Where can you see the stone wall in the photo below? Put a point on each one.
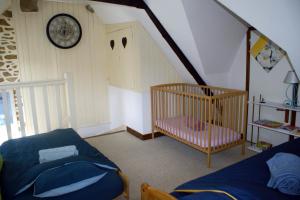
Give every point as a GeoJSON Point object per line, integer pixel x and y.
{"type": "Point", "coordinates": [9, 70]}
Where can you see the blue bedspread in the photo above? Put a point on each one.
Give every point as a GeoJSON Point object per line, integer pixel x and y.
{"type": "Point", "coordinates": [21, 156]}
{"type": "Point", "coordinates": [246, 180]}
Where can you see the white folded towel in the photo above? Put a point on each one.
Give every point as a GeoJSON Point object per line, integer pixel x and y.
{"type": "Point", "coordinates": [46, 155]}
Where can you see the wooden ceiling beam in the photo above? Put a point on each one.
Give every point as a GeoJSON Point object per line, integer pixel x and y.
{"type": "Point", "coordinates": [29, 5]}
{"type": "Point", "coordinates": [185, 61]}
{"type": "Point", "coordinates": [142, 5]}
{"type": "Point", "coordinates": [131, 3]}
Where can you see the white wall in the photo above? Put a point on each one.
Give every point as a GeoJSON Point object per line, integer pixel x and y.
{"type": "Point", "coordinates": [277, 19]}
{"type": "Point", "coordinates": [126, 108]}
{"type": "Point", "coordinates": [211, 45]}
{"type": "Point", "coordinates": [272, 88]}
{"type": "Point", "coordinates": [217, 34]}
{"type": "Point", "coordinates": [133, 70]}
{"type": "Point", "coordinates": [237, 72]}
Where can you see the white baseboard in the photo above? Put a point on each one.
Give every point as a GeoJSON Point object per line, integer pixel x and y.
{"type": "Point", "coordinates": [94, 130]}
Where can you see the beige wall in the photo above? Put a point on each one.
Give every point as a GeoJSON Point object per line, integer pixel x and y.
{"type": "Point", "coordinates": [133, 70]}
{"type": "Point", "coordinates": [92, 63]}
{"type": "Point", "coordinates": [141, 64]}
{"type": "Point", "coordinates": [40, 60]}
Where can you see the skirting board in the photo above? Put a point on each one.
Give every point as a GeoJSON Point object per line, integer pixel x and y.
{"type": "Point", "coordinates": [143, 136]}
{"type": "Point", "coordinates": [90, 131]}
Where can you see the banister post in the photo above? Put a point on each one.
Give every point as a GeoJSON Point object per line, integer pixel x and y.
{"type": "Point", "coordinates": [69, 88]}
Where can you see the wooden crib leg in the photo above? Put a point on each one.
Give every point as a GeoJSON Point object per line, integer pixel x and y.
{"type": "Point", "coordinates": [208, 160]}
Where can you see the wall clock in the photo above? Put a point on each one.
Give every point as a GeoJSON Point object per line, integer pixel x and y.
{"type": "Point", "coordinates": [64, 31]}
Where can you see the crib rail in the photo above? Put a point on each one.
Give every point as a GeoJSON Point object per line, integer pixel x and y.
{"type": "Point", "coordinates": [37, 106]}
{"type": "Point", "coordinates": [209, 119]}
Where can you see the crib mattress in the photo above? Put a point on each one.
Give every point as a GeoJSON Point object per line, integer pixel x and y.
{"type": "Point", "coordinates": [178, 126]}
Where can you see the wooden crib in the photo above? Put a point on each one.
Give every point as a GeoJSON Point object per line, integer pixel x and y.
{"type": "Point", "coordinates": [210, 119]}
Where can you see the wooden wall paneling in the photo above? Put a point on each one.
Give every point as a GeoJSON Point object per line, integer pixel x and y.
{"type": "Point", "coordinates": [155, 68]}
{"type": "Point", "coordinates": [145, 64]}
{"type": "Point", "coordinates": [40, 60]}
{"type": "Point", "coordinates": [48, 49]}
{"type": "Point", "coordinates": [100, 56]}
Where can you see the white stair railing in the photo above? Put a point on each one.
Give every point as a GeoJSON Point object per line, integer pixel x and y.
{"type": "Point", "coordinates": [29, 99]}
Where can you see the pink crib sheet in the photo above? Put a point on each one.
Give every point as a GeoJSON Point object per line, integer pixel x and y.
{"type": "Point", "coordinates": [181, 127]}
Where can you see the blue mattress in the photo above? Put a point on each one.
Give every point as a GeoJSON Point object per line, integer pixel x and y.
{"type": "Point", "coordinates": [246, 180]}
{"type": "Point", "coordinates": [22, 154]}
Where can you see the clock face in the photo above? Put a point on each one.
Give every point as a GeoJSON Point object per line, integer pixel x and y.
{"type": "Point", "coordinates": [64, 31]}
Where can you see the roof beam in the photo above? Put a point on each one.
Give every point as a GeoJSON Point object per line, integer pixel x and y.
{"type": "Point", "coordinates": [132, 3]}
{"type": "Point", "coordinates": [29, 5]}
{"type": "Point", "coordinates": [142, 5]}
{"type": "Point", "coordinates": [185, 61]}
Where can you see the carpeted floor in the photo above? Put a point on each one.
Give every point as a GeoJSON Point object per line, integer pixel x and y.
{"type": "Point", "coordinates": [163, 162]}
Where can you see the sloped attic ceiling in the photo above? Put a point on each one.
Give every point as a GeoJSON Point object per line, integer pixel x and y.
{"type": "Point", "coordinates": [278, 20]}
{"type": "Point", "coordinates": [112, 13]}
{"type": "Point", "coordinates": [210, 48]}
{"type": "Point", "coordinates": [217, 33]}
{"type": "Point", "coordinates": [207, 33]}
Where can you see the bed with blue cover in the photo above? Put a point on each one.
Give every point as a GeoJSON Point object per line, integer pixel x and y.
{"type": "Point", "coordinates": [21, 166]}
{"type": "Point", "coordinates": [246, 180]}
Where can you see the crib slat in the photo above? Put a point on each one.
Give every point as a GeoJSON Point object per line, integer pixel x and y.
{"type": "Point", "coordinates": [21, 114]}
{"type": "Point", "coordinates": [229, 121]}
{"type": "Point", "coordinates": [219, 119]}
{"type": "Point", "coordinates": [46, 102]}
{"type": "Point", "coordinates": [209, 132]}
{"type": "Point", "coordinates": [226, 120]}
{"type": "Point", "coordinates": [155, 122]}
{"type": "Point", "coordinates": [161, 109]}
{"type": "Point", "coordinates": [33, 109]}
{"type": "Point", "coordinates": [213, 124]}
{"type": "Point", "coordinates": [152, 113]}
{"type": "Point", "coordinates": [193, 113]}
{"type": "Point", "coordinates": [206, 123]}
{"type": "Point", "coordinates": [232, 119]}
{"type": "Point", "coordinates": [237, 106]}
{"type": "Point", "coordinates": [178, 115]}
{"type": "Point", "coordinates": [201, 110]}
{"type": "Point", "coordinates": [6, 112]}
{"type": "Point", "coordinates": [197, 120]}
{"type": "Point", "coordinates": [244, 120]}
{"type": "Point", "coordinates": [157, 106]}
{"type": "Point", "coordinates": [241, 115]}
{"type": "Point", "coordinates": [189, 117]}
{"type": "Point", "coordinates": [174, 105]}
